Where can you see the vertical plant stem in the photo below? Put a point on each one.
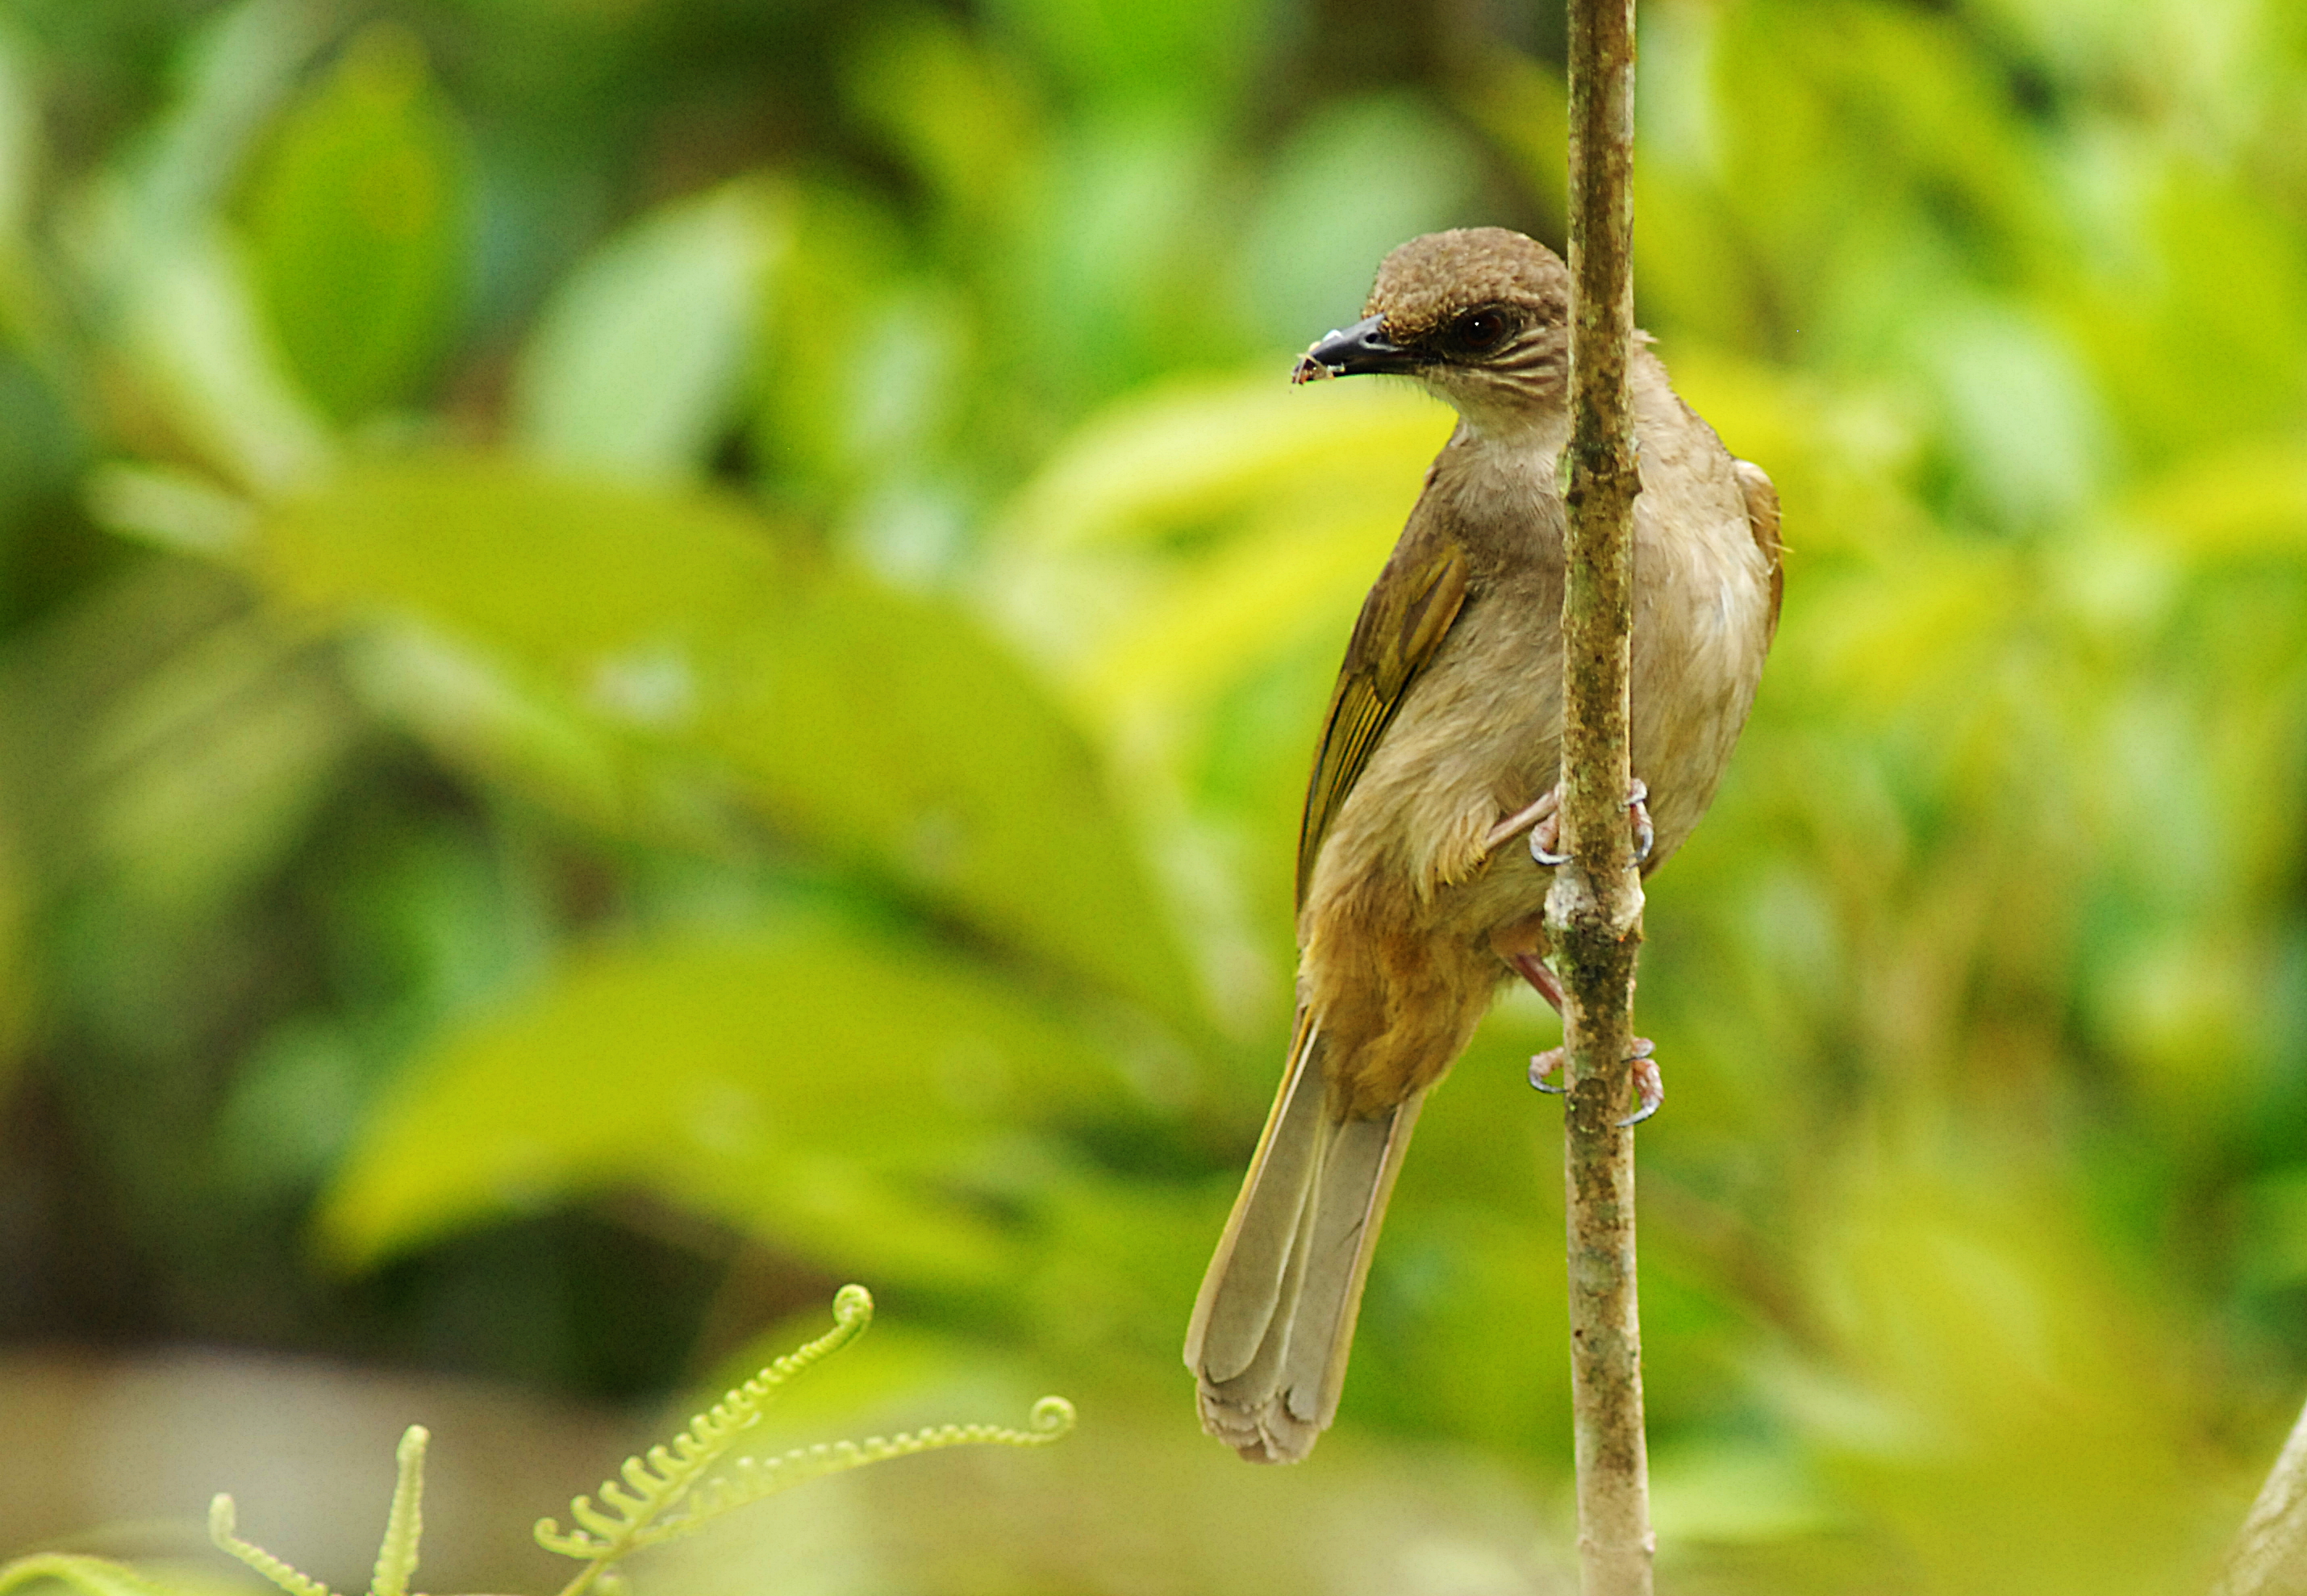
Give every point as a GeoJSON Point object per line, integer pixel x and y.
{"type": "Point", "coordinates": [1595, 909]}
{"type": "Point", "coordinates": [2269, 1557]}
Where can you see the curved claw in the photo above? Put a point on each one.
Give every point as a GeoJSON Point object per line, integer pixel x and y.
{"type": "Point", "coordinates": [1638, 809]}
{"type": "Point", "coordinates": [1649, 1086]}
{"type": "Point", "coordinates": [1543, 1068]}
{"type": "Point", "coordinates": [1546, 833]}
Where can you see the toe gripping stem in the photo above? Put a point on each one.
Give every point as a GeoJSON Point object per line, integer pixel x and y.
{"type": "Point", "coordinates": [1547, 832]}
{"type": "Point", "coordinates": [1649, 1086]}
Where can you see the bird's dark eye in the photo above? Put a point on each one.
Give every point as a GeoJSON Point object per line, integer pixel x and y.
{"type": "Point", "coordinates": [1480, 331]}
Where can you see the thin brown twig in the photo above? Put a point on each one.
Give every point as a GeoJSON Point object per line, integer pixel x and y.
{"type": "Point", "coordinates": [1596, 906]}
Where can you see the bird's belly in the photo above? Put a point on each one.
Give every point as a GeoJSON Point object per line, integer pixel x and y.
{"type": "Point", "coordinates": [1399, 929]}
{"type": "Point", "coordinates": [1395, 932]}
{"type": "Point", "coordinates": [1691, 683]}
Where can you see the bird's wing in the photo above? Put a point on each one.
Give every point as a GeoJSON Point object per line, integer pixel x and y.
{"type": "Point", "coordinates": [1402, 622]}
{"type": "Point", "coordinates": [1762, 520]}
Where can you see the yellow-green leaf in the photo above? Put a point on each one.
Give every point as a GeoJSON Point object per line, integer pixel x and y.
{"type": "Point", "coordinates": [828, 1088]}
{"type": "Point", "coordinates": [884, 728]}
{"type": "Point", "coordinates": [357, 220]}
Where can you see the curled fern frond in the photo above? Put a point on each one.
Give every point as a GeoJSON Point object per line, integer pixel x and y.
{"type": "Point", "coordinates": [750, 1480]}
{"type": "Point", "coordinates": [221, 1524]}
{"type": "Point", "coordinates": [669, 1491]}
{"type": "Point", "coordinates": [654, 1484]}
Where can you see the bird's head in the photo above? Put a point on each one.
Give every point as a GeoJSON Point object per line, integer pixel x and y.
{"type": "Point", "coordinates": [1480, 316]}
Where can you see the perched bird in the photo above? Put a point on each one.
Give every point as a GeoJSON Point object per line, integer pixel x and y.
{"type": "Point", "coordinates": [1443, 746]}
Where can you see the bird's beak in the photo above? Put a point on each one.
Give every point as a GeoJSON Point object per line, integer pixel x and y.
{"type": "Point", "coordinates": [1361, 347]}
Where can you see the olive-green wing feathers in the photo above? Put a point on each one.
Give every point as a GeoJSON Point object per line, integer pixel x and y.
{"type": "Point", "coordinates": [1402, 622]}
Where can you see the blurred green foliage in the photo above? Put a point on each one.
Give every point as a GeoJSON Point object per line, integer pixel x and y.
{"type": "Point", "coordinates": [637, 634]}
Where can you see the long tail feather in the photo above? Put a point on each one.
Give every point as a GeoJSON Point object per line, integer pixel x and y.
{"type": "Point", "coordinates": [1276, 1318]}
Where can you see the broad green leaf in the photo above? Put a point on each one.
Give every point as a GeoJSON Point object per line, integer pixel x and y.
{"type": "Point", "coordinates": [883, 727]}
{"type": "Point", "coordinates": [480, 715]}
{"type": "Point", "coordinates": [829, 1088]}
{"type": "Point", "coordinates": [640, 357]}
{"type": "Point", "coordinates": [1868, 158]}
{"type": "Point", "coordinates": [175, 510]}
{"type": "Point", "coordinates": [2246, 501]}
{"type": "Point", "coordinates": [1232, 611]}
{"type": "Point", "coordinates": [1162, 460]}
{"type": "Point", "coordinates": [553, 568]}
{"type": "Point", "coordinates": [171, 290]}
{"type": "Point", "coordinates": [1183, 537]}
{"type": "Point", "coordinates": [191, 329]}
{"type": "Point", "coordinates": [357, 219]}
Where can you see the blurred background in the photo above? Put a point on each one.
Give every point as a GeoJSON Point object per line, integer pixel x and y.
{"type": "Point", "coordinates": [655, 654]}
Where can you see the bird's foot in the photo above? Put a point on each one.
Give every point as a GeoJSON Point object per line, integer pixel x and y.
{"type": "Point", "coordinates": [1638, 812]}
{"type": "Point", "coordinates": [1543, 1069]}
{"type": "Point", "coordinates": [1649, 1086]}
{"type": "Point", "coordinates": [1543, 821]}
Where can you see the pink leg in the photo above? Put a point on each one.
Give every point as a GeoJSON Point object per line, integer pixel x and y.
{"type": "Point", "coordinates": [1532, 969]}
{"type": "Point", "coordinates": [1540, 813]}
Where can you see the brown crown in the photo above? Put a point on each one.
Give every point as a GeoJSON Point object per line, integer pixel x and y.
{"type": "Point", "coordinates": [1425, 282]}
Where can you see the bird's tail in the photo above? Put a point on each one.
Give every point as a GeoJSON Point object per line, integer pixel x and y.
{"type": "Point", "coordinates": [1276, 1318]}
